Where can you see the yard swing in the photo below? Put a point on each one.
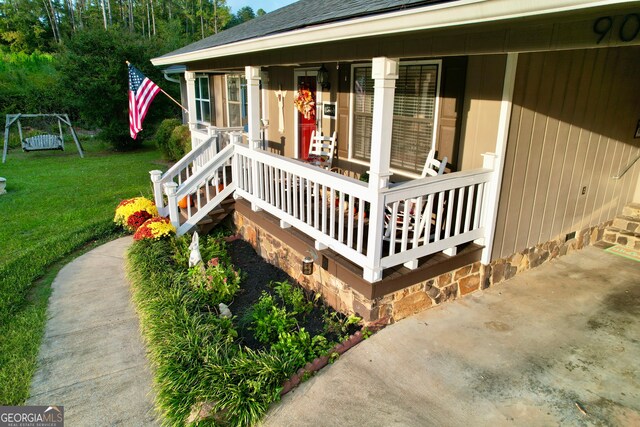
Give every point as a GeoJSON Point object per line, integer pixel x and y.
{"type": "Point", "coordinates": [47, 138]}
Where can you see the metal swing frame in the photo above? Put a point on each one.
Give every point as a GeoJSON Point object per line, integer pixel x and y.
{"type": "Point", "coordinates": [42, 141]}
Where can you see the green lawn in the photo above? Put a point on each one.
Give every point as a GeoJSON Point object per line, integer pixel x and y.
{"type": "Point", "coordinates": [57, 204]}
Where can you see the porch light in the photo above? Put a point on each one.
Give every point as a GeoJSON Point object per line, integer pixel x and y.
{"type": "Point", "coordinates": [323, 78]}
{"type": "Point", "coordinates": [307, 266]}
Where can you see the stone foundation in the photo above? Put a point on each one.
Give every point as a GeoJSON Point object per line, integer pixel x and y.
{"type": "Point", "coordinates": [412, 299]}
{"type": "Point", "coordinates": [505, 268]}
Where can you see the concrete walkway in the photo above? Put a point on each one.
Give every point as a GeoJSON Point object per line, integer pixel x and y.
{"type": "Point", "coordinates": [558, 345]}
{"type": "Point", "coordinates": [92, 359]}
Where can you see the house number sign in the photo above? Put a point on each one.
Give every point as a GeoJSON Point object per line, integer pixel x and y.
{"type": "Point", "coordinates": [629, 28]}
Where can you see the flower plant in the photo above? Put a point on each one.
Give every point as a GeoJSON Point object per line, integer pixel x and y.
{"type": "Point", "coordinates": [217, 282]}
{"type": "Point", "coordinates": [132, 213]}
{"type": "Point", "coordinates": [155, 228]}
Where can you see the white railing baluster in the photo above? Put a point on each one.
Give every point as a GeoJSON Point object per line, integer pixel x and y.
{"type": "Point", "coordinates": [448, 223]}
{"type": "Point", "coordinates": [341, 214]}
{"type": "Point", "coordinates": [350, 226]}
{"type": "Point", "coordinates": [332, 215]}
{"type": "Point", "coordinates": [459, 209]}
{"type": "Point", "coordinates": [360, 238]}
{"type": "Point", "coordinates": [478, 208]}
{"type": "Point", "coordinates": [469, 208]}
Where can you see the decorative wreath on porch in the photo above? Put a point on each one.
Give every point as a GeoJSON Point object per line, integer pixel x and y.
{"type": "Point", "coordinates": [305, 103]}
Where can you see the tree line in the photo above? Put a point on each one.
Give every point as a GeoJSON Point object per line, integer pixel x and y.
{"type": "Point", "coordinates": [44, 25]}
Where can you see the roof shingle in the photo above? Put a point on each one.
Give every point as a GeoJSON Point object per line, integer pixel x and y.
{"type": "Point", "coordinates": [304, 13]}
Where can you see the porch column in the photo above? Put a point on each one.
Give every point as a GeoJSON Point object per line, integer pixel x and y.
{"type": "Point", "coordinates": [497, 160]}
{"type": "Point", "coordinates": [252, 75]}
{"type": "Point", "coordinates": [190, 79]}
{"type": "Point", "coordinates": [385, 74]}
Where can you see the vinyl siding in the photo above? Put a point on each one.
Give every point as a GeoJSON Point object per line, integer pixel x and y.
{"type": "Point", "coordinates": [573, 119]}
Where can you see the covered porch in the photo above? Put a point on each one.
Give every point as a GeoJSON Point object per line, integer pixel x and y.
{"type": "Point", "coordinates": [394, 218]}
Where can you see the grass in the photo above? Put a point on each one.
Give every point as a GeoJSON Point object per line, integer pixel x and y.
{"type": "Point", "coordinates": [56, 204]}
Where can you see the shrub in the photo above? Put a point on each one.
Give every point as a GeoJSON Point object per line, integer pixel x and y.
{"type": "Point", "coordinates": [163, 134]}
{"type": "Point", "coordinates": [216, 283]}
{"type": "Point", "coordinates": [179, 142]}
{"type": "Point", "coordinates": [269, 320]}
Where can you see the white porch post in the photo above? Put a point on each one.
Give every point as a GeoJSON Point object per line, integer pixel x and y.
{"type": "Point", "coordinates": [156, 177]}
{"type": "Point", "coordinates": [252, 75]}
{"type": "Point", "coordinates": [497, 159]}
{"type": "Point", "coordinates": [385, 74]}
{"type": "Point", "coordinates": [170, 189]}
{"type": "Point", "coordinates": [190, 79]}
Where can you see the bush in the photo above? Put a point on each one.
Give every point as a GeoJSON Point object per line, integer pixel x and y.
{"type": "Point", "coordinates": [163, 134]}
{"type": "Point", "coordinates": [179, 142]}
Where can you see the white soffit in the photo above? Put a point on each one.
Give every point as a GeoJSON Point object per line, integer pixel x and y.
{"type": "Point", "coordinates": [443, 15]}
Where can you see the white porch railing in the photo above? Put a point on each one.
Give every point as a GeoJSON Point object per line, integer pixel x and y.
{"type": "Point", "coordinates": [433, 214]}
{"type": "Point", "coordinates": [328, 207]}
{"type": "Point", "coordinates": [414, 219]}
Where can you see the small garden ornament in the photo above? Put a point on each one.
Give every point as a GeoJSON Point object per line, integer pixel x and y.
{"type": "Point", "coordinates": [224, 311]}
{"type": "Point", "coordinates": [195, 258]}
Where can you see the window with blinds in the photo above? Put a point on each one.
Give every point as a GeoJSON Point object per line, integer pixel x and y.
{"type": "Point", "coordinates": [203, 103]}
{"type": "Point", "coordinates": [413, 114]}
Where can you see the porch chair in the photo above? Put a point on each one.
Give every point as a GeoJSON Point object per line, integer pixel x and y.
{"type": "Point", "coordinates": [432, 167]}
{"type": "Point", "coordinates": [322, 149]}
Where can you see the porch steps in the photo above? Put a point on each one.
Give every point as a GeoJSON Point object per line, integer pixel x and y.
{"type": "Point", "coordinates": [625, 230]}
{"type": "Point", "coordinates": [213, 218]}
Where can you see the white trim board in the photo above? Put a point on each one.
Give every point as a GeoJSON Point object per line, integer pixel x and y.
{"type": "Point", "coordinates": [458, 13]}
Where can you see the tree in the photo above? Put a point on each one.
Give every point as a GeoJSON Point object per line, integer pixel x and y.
{"type": "Point", "coordinates": [95, 77]}
{"type": "Point", "coordinates": [244, 14]}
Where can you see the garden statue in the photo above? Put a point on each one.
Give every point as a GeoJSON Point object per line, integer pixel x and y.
{"type": "Point", "coordinates": [195, 258]}
{"type": "Point", "coordinates": [224, 310]}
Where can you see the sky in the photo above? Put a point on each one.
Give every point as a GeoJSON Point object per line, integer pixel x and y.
{"type": "Point", "coordinates": [267, 5]}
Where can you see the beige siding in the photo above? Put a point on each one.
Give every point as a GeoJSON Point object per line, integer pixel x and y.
{"type": "Point", "coordinates": [573, 119]}
{"type": "Point", "coordinates": [483, 95]}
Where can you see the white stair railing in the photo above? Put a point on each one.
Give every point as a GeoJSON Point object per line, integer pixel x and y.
{"type": "Point", "coordinates": [202, 192]}
{"type": "Point", "coordinates": [182, 170]}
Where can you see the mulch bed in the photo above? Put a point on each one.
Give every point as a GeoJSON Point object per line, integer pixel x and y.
{"type": "Point", "coordinates": [258, 274]}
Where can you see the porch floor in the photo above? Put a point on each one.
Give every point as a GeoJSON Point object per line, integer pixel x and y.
{"type": "Point", "coordinates": [394, 279]}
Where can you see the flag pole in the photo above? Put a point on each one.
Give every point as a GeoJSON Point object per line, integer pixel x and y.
{"type": "Point", "coordinates": [168, 96]}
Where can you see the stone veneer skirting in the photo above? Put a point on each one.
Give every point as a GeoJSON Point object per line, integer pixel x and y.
{"type": "Point", "coordinates": [414, 298]}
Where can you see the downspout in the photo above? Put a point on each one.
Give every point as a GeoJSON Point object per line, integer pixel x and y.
{"type": "Point", "coordinates": [171, 79]}
{"type": "Point", "coordinates": [499, 156]}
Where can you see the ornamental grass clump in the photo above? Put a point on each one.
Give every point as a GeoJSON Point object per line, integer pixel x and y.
{"type": "Point", "coordinates": [155, 228]}
{"type": "Point", "coordinates": [132, 213]}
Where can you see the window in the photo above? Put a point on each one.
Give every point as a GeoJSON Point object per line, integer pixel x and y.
{"type": "Point", "coordinates": [237, 100]}
{"type": "Point", "coordinates": [414, 114]}
{"type": "Point", "coordinates": [203, 104]}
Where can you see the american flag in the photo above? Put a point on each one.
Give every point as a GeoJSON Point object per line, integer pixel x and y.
{"type": "Point", "coordinates": [141, 93]}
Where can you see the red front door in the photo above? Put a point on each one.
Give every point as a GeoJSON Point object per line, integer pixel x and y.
{"type": "Point", "coordinates": [306, 122]}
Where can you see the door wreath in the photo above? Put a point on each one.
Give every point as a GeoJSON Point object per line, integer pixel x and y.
{"type": "Point", "coordinates": [305, 103]}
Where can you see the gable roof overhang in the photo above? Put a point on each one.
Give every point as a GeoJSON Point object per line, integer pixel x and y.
{"type": "Point", "coordinates": [421, 18]}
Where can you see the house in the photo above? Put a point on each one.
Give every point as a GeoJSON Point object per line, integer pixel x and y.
{"type": "Point", "coordinates": [534, 104]}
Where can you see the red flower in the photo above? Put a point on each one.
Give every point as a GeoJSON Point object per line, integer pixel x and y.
{"type": "Point", "coordinates": [136, 219]}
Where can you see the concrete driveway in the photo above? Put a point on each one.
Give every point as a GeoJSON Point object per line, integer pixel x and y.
{"type": "Point", "coordinates": [557, 345]}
